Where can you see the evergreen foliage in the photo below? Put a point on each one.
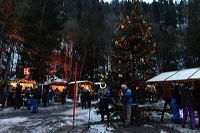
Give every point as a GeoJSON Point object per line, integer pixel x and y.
{"type": "Point", "coordinates": [133, 45]}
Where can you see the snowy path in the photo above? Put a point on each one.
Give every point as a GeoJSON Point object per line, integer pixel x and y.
{"type": "Point", "coordinates": [50, 119]}
{"type": "Point", "coordinates": [59, 119]}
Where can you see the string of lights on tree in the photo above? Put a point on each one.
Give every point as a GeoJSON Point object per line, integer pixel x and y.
{"type": "Point", "coordinates": [133, 46]}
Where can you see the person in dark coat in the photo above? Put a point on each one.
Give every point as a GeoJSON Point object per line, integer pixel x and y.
{"type": "Point", "coordinates": [45, 96]}
{"type": "Point", "coordinates": [188, 106]}
{"type": "Point", "coordinates": [5, 95]}
{"type": "Point", "coordinates": [35, 97]}
{"type": "Point", "coordinates": [52, 96]}
{"type": "Point", "coordinates": [63, 96]}
{"type": "Point", "coordinates": [83, 98]}
{"type": "Point", "coordinates": [104, 95]}
{"type": "Point", "coordinates": [88, 98]}
{"type": "Point", "coordinates": [29, 98]}
{"type": "Point", "coordinates": [196, 94]}
{"type": "Point", "coordinates": [18, 97]}
{"type": "Point", "coordinates": [166, 95]}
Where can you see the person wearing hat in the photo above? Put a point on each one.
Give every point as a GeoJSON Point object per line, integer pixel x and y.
{"type": "Point", "coordinates": [103, 95]}
{"type": "Point", "coordinates": [127, 101]}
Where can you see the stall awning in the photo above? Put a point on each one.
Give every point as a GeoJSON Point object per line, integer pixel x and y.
{"type": "Point", "coordinates": [56, 81]}
{"type": "Point", "coordinates": [162, 76]}
{"type": "Point", "coordinates": [180, 75]}
{"type": "Point", "coordinates": [196, 75]}
{"type": "Point", "coordinates": [183, 74]}
{"type": "Point", "coordinates": [81, 81]}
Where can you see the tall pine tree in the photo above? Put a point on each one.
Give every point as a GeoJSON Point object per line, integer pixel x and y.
{"type": "Point", "coordinates": [133, 46]}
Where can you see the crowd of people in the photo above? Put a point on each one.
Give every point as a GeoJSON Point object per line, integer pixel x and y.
{"type": "Point", "coordinates": [124, 97]}
{"type": "Point", "coordinates": [186, 97]}
{"type": "Point", "coordinates": [29, 98]}
{"type": "Point", "coordinates": [85, 98]}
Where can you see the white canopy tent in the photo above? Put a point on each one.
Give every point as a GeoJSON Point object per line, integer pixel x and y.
{"type": "Point", "coordinates": [78, 82]}
{"type": "Point", "coordinates": [162, 76]}
{"type": "Point", "coordinates": [195, 75]}
{"type": "Point", "coordinates": [56, 81]}
{"type": "Point", "coordinates": [183, 74]}
{"type": "Point", "coordinates": [180, 75]}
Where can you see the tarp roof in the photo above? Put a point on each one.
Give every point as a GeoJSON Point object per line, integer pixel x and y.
{"type": "Point", "coordinates": [55, 81]}
{"type": "Point", "coordinates": [162, 76]}
{"type": "Point", "coordinates": [195, 75]}
{"type": "Point", "coordinates": [192, 73]}
{"type": "Point", "coordinates": [81, 81]}
{"type": "Point", "coordinates": [183, 74]}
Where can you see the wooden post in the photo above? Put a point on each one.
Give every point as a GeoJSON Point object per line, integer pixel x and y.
{"type": "Point", "coordinates": [74, 109]}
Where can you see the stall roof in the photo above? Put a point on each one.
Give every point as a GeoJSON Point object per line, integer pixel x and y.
{"type": "Point", "coordinates": [81, 81]}
{"type": "Point", "coordinates": [162, 76]}
{"type": "Point", "coordinates": [196, 75]}
{"type": "Point", "coordinates": [192, 73]}
{"type": "Point", "coordinates": [183, 74]}
{"type": "Point", "coordinates": [55, 81]}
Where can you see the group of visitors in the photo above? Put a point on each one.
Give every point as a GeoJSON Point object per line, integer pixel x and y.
{"type": "Point", "coordinates": [184, 97]}
{"type": "Point", "coordinates": [85, 98]}
{"type": "Point", "coordinates": [125, 96]}
{"type": "Point", "coordinates": [29, 97]}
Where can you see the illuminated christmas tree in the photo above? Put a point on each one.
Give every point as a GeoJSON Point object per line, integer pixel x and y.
{"type": "Point", "coordinates": [133, 47]}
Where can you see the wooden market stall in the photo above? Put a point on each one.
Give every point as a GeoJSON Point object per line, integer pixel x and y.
{"type": "Point", "coordinates": [57, 84]}
{"type": "Point", "coordinates": [190, 76]}
{"type": "Point", "coordinates": [85, 84]}
{"type": "Point", "coordinates": [23, 82]}
{"type": "Point", "coordinates": [179, 75]}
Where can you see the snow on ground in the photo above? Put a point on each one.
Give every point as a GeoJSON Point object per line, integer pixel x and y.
{"type": "Point", "coordinates": [182, 130]}
{"type": "Point", "coordinates": [162, 131]}
{"type": "Point", "coordinates": [82, 116]}
{"type": "Point", "coordinates": [101, 128]}
{"type": "Point", "coordinates": [5, 124]}
{"type": "Point", "coordinates": [51, 118]}
{"type": "Point", "coordinates": [13, 120]}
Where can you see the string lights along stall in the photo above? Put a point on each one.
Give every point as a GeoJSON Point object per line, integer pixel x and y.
{"type": "Point", "coordinates": [57, 84]}
{"type": "Point", "coordinates": [83, 84]}
{"type": "Point", "coordinates": [23, 82]}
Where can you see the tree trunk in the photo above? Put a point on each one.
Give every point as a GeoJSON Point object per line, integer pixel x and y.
{"type": "Point", "coordinates": [7, 69]}
{"type": "Point", "coordinates": [82, 65]}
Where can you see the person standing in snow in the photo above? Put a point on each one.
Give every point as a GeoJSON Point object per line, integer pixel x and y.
{"type": "Point", "coordinates": [175, 103]}
{"type": "Point", "coordinates": [5, 95]}
{"type": "Point", "coordinates": [188, 106]}
{"type": "Point", "coordinates": [83, 98]}
{"type": "Point", "coordinates": [196, 94]}
{"type": "Point", "coordinates": [28, 96]}
{"type": "Point", "coordinates": [103, 95]}
{"type": "Point", "coordinates": [52, 96]}
{"type": "Point", "coordinates": [35, 97]}
{"type": "Point", "coordinates": [127, 101]}
{"type": "Point", "coordinates": [18, 97]}
{"type": "Point", "coordinates": [88, 98]}
{"type": "Point", "coordinates": [166, 95]}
